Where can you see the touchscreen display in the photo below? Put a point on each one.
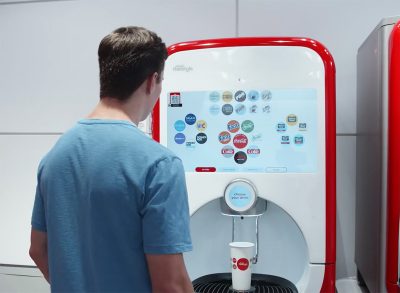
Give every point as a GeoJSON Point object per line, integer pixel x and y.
{"type": "Point", "coordinates": [256, 130]}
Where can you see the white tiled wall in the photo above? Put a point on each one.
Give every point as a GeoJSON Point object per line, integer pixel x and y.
{"type": "Point", "coordinates": [340, 25]}
{"type": "Point", "coordinates": [49, 71]}
{"type": "Point", "coordinates": [19, 159]}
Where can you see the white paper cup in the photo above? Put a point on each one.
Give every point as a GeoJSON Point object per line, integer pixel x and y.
{"type": "Point", "coordinates": [241, 257]}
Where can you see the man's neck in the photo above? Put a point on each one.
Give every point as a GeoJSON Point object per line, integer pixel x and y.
{"type": "Point", "coordinates": [114, 109]}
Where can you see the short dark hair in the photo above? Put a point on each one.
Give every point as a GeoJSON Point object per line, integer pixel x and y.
{"type": "Point", "coordinates": [128, 56]}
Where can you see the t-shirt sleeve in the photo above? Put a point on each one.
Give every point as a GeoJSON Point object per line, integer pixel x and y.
{"type": "Point", "coordinates": [165, 212]}
{"type": "Point", "coordinates": [38, 220]}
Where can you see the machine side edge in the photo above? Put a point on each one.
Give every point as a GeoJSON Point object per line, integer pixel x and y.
{"type": "Point", "coordinates": [393, 184]}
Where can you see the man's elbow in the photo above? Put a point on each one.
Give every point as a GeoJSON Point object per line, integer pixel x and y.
{"type": "Point", "coordinates": [35, 254]}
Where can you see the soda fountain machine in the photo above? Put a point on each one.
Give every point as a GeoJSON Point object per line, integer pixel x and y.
{"type": "Point", "coordinates": [378, 159]}
{"type": "Point", "coordinates": [253, 120]}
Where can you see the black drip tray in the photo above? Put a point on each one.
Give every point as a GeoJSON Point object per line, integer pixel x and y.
{"type": "Point", "coordinates": [222, 283]}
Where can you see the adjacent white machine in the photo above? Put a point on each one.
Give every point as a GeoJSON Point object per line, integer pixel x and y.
{"type": "Point", "coordinates": [378, 158]}
{"type": "Point", "coordinates": [253, 120]}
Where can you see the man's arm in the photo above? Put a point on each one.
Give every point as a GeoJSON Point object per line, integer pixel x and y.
{"type": "Point", "coordinates": [38, 251]}
{"type": "Point", "coordinates": [168, 273]}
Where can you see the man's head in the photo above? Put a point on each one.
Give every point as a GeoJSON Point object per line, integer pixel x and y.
{"type": "Point", "coordinates": [127, 57]}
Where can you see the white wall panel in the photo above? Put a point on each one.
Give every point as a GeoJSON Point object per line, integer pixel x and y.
{"type": "Point", "coordinates": [345, 221]}
{"type": "Point", "coordinates": [341, 25]}
{"type": "Point", "coordinates": [48, 51]}
{"type": "Point", "coordinates": [19, 159]}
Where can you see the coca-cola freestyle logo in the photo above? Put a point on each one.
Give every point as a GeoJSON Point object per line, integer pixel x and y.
{"type": "Point", "coordinates": [242, 264]}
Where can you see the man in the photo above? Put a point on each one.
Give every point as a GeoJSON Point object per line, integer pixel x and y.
{"type": "Point", "coordinates": [111, 210]}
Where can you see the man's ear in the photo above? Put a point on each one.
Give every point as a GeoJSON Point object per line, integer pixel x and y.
{"type": "Point", "coordinates": [151, 82]}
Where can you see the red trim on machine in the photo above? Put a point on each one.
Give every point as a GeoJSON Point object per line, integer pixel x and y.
{"type": "Point", "coordinates": [393, 184]}
{"type": "Point", "coordinates": [330, 126]}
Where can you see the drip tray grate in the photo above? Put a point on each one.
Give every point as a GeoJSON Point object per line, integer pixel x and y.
{"type": "Point", "coordinates": [222, 283]}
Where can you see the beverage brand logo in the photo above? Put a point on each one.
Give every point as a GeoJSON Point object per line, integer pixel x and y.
{"type": "Point", "coordinates": [190, 119]}
{"type": "Point", "coordinates": [227, 151]}
{"type": "Point", "coordinates": [224, 137]}
{"type": "Point", "coordinates": [240, 109]}
{"type": "Point", "coordinates": [180, 138]}
{"type": "Point", "coordinates": [240, 141]}
{"type": "Point", "coordinates": [227, 96]}
{"type": "Point", "coordinates": [214, 96]}
{"type": "Point", "coordinates": [253, 151]}
{"type": "Point", "coordinates": [227, 109]}
{"type": "Point", "coordinates": [240, 96]}
{"type": "Point", "coordinates": [253, 109]}
{"type": "Point", "coordinates": [240, 157]}
{"type": "Point", "coordinates": [201, 125]}
{"type": "Point", "coordinates": [214, 110]}
{"type": "Point", "coordinates": [247, 126]}
{"type": "Point", "coordinates": [243, 264]}
{"type": "Point", "coordinates": [254, 96]}
{"type": "Point", "coordinates": [201, 138]}
{"type": "Point", "coordinates": [266, 95]}
{"type": "Point", "coordinates": [233, 126]}
{"type": "Point", "coordinates": [179, 125]}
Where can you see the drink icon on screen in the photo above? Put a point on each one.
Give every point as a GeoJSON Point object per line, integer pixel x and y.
{"type": "Point", "coordinates": [175, 99]}
{"type": "Point", "coordinates": [201, 125]}
{"type": "Point", "coordinates": [256, 137]}
{"type": "Point", "coordinates": [266, 95]}
{"type": "Point", "coordinates": [266, 109]}
{"type": "Point", "coordinates": [299, 140]}
{"type": "Point", "coordinates": [214, 109]}
{"type": "Point", "coordinates": [281, 127]}
{"type": "Point", "coordinates": [214, 96]}
{"type": "Point", "coordinates": [240, 96]}
{"type": "Point", "coordinates": [240, 157]}
{"type": "Point", "coordinates": [254, 96]}
{"type": "Point", "coordinates": [224, 137]}
{"type": "Point", "coordinates": [247, 126]}
{"type": "Point", "coordinates": [240, 109]}
{"type": "Point", "coordinates": [285, 139]}
{"type": "Point", "coordinates": [179, 125]}
{"type": "Point", "coordinates": [227, 151]}
{"type": "Point", "coordinates": [291, 119]}
{"type": "Point", "coordinates": [201, 138]}
{"type": "Point", "coordinates": [180, 138]}
{"type": "Point", "coordinates": [233, 126]}
{"type": "Point", "coordinates": [253, 109]}
{"type": "Point", "coordinates": [227, 109]}
{"type": "Point", "coordinates": [227, 96]}
{"type": "Point", "coordinates": [302, 126]}
{"type": "Point", "coordinates": [190, 119]}
{"type": "Point", "coordinates": [253, 151]}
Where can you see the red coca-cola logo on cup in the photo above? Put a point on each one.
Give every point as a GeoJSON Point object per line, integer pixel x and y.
{"type": "Point", "coordinates": [240, 141]}
{"type": "Point", "coordinates": [243, 264]}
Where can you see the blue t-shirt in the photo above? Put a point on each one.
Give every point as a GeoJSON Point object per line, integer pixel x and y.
{"type": "Point", "coordinates": [106, 195]}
